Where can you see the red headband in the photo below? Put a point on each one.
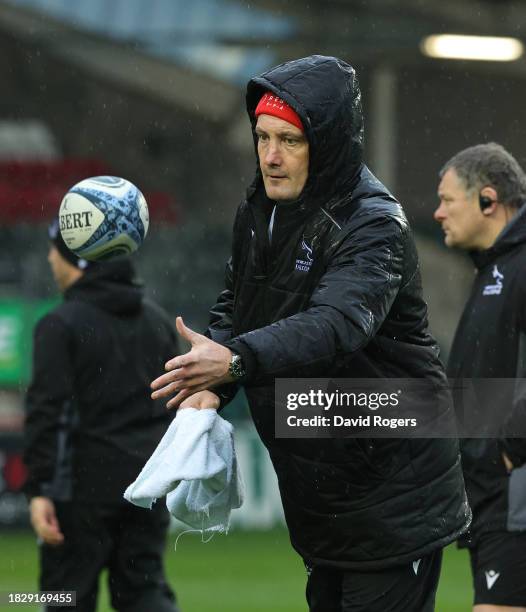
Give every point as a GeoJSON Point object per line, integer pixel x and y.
{"type": "Point", "coordinates": [270, 104]}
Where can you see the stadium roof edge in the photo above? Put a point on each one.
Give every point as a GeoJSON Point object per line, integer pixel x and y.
{"type": "Point", "coordinates": [122, 64]}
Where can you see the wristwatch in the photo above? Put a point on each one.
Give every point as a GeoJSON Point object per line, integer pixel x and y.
{"type": "Point", "coordinates": [236, 369]}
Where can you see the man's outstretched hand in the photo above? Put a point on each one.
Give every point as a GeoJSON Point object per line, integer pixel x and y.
{"type": "Point", "coordinates": [205, 366]}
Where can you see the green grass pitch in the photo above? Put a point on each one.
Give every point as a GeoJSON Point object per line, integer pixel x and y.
{"type": "Point", "coordinates": [240, 572]}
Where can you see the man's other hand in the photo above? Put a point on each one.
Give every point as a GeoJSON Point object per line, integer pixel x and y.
{"type": "Point", "coordinates": [507, 462]}
{"type": "Point", "coordinates": [204, 366]}
{"type": "Point", "coordinates": [44, 520]}
{"type": "Point", "coordinates": [203, 399]}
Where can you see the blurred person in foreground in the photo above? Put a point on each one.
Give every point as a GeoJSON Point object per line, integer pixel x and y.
{"type": "Point", "coordinates": [90, 427]}
{"type": "Point", "coordinates": [482, 192]}
{"type": "Point", "coordinates": [324, 282]}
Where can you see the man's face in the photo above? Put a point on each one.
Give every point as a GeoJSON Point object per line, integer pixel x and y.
{"type": "Point", "coordinates": [283, 153]}
{"type": "Point", "coordinates": [60, 268]}
{"type": "Point", "coordinates": [459, 212]}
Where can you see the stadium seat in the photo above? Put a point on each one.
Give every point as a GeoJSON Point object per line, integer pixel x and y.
{"type": "Point", "coordinates": [31, 191]}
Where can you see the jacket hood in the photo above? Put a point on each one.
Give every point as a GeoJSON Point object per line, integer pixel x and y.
{"type": "Point", "coordinates": [325, 93]}
{"type": "Point", "coordinates": [110, 286]}
{"type": "Point", "coordinates": [511, 236]}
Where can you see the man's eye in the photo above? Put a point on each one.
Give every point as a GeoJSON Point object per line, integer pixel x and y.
{"type": "Point", "coordinates": [291, 141]}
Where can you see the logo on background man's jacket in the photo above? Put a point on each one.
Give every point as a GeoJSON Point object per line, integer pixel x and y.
{"type": "Point", "coordinates": [491, 578]}
{"type": "Point", "coordinates": [496, 288]}
{"type": "Point", "coordinates": [304, 263]}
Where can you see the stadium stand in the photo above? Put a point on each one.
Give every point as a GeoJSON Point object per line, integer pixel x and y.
{"type": "Point", "coordinates": [28, 139]}
{"type": "Point", "coordinates": [30, 191]}
{"type": "Point", "coordinates": [34, 175]}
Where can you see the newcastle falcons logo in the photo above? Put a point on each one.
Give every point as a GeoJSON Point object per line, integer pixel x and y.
{"type": "Point", "coordinates": [303, 264]}
{"type": "Point", "coordinates": [496, 288]}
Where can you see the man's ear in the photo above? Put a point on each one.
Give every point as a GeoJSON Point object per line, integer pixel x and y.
{"type": "Point", "coordinates": [488, 200]}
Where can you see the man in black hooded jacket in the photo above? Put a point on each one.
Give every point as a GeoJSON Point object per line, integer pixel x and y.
{"type": "Point", "coordinates": [482, 193]}
{"type": "Point", "coordinates": [90, 428]}
{"type": "Point", "coordinates": [324, 282]}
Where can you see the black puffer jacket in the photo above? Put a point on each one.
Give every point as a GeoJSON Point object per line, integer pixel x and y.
{"type": "Point", "coordinates": [91, 424]}
{"type": "Point", "coordinates": [338, 294]}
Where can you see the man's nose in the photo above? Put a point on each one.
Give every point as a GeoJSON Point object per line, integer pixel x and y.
{"type": "Point", "coordinates": [273, 154]}
{"type": "Point", "coordinates": [439, 214]}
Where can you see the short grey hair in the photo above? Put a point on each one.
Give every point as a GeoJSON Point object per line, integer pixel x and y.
{"type": "Point", "coordinates": [490, 165]}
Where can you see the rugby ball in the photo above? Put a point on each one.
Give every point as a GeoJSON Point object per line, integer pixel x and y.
{"type": "Point", "coordinates": [103, 217]}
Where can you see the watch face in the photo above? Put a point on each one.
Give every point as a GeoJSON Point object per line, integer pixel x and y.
{"type": "Point", "coordinates": [236, 368]}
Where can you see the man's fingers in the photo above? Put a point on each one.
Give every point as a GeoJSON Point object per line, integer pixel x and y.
{"type": "Point", "coordinates": [198, 385]}
{"type": "Point", "coordinates": [171, 385]}
{"type": "Point", "coordinates": [53, 523]}
{"type": "Point", "coordinates": [181, 361]}
{"type": "Point", "coordinates": [167, 390]}
{"type": "Point", "coordinates": [168, 378]}
{"type": "Point", "coordinates": [180, 397]}
{"type": "Point", "coordinates": [201, 400]}
{"type": "Point", "coordinates": [507, 462]}
{"type": "Point", "coordinates": [44, 520]}
{"type": "Point", "coordinates": [49, 531]}
{"type": "Point", "coordinates": [52, 538]}
{"type": "Point", "coordinates": [185, 332]}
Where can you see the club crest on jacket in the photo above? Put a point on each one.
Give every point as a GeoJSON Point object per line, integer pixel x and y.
{"type": "Point", "coordinates": [304, 262]}
{"type": "Point", "coordinates": [496, 288]}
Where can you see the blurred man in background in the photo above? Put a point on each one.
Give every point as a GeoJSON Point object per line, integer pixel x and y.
{"type": "Point", "coordinates": [90, 427]}
{"type": "Point", "coordinates": [482, 191]}
{"type": "Point", "coordinates": [324, 282]}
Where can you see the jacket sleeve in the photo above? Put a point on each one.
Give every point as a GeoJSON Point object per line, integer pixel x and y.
{"type": "Point", "coordinates": [49, 396]}
{"type": "Point", "coordinates": [220, 329]}
{"type": "Point", "coordinates": [220, 324]}
{"type": "Point", "coordinates": [515, 448]}
{"type": "Point", "coordinates": [347, 308]}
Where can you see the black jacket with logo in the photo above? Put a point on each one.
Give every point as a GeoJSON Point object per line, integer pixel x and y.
{"type": "Point", "coordinates": [490, 342]}
{"type": "Point", "coordinates": [337, 293]}
{"type": "Point", "coordinates": [91, 424]}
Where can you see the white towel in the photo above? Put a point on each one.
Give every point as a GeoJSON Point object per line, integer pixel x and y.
{"type": "Point", "coordinates": [195, 466]}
